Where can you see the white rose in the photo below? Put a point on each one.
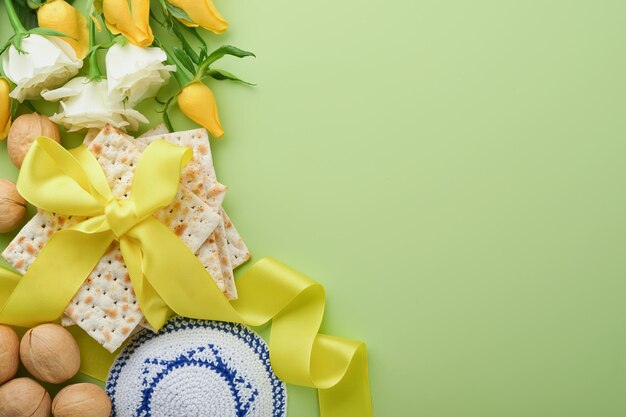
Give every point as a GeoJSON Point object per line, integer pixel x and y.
{"type": "Point", "coordinates": [87, 104]}
{"type": "Point", "coordinates": [46, 63]}
{"type": "Point", "coordinates": [136, 73]}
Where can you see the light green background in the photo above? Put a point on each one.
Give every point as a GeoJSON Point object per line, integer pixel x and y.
{"type": "Point", "coordinates": [453, 173]}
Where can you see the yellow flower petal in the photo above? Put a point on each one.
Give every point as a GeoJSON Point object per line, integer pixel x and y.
{"type": "Point", "coordinates": [135, 28]}
{"type": "Point", "coordinates": [62, 17]}
{"type": "Point", "coordinates": [197, 102]}
{"type": "Point", "coordinates": [5, 108]}
{"type": "Point", "coordinates": [202, 13]}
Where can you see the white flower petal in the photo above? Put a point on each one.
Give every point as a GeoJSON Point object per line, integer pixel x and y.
{"type": "Point", "coordinates": [74, 87]}
{"type": "Point", "coordinates": [47, 63]}
{"type": "Point", "coordinates": [92, 106]}
{"type": "Point", "coordinates": [136, 73]}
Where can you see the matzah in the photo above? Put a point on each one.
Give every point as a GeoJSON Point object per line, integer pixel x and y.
{"type": "Point", "coordinates": [195, 177]}
{"type": "Point", "coordinates": [239, 253]}
{"type": "Point", "coordinates": [159, 129]}
{"type": "Point", "coordinates": [214, 254]}
{"type": "Point", "coordinates": [106, 306]}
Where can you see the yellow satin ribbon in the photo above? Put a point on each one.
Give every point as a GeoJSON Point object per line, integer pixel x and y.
{"type": "Point", "coordinates": [167, 277]}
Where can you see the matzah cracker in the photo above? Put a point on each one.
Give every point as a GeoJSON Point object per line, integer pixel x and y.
{"type": "Point", "coordinates": [209, 255]}
{"type": "Point", "coordinates": [209, 248]}
{"type": "Point", "coordinates": [239, 253]}
{"type": "Point", "coordinates": [22, 251]}
{"type": "Point", "coordinates": [106, 306]}
{"type": "Point", "coordinates": [230, 289]}
{"type": "Point", "coordinates": [195, 176]}
{"type": "Point", "coordinates": [214, 254]}
{"type": "Point", "coordinates": [228, 241]}
{"type": "Point", "coordinates": [159, 129]}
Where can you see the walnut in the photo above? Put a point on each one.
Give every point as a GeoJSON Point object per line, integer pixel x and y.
{"type": "Point", "coordinates": [81, 400]}
{"type": "Point", "coordinates": [24, 130]}
{"type": "Point", "coordinates": [12, 206]}
{"type": "Point", "coordinates": [50, 353]}
{"type": "Point", "coordinates": [24, 397]}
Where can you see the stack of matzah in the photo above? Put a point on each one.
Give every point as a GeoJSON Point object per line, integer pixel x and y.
{"type": "Point", "coordinates": [106, 306]}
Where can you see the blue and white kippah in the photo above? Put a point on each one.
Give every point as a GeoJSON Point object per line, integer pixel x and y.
{"type": "Point", "coordinates": [196, 368]}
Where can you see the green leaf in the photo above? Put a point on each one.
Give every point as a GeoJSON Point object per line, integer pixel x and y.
{"type": "Point", "coordinates": [186, 46]}
{"type": "Point", "coordinates": [203, 53]}
{"type": "Point", "coordinates": [191, 53]}
{"type": "Point", "coordinates": [177, 12]}
{"type": "Point", "coordinates": [222, 51]}
{"type": "Point", "coordinates": [49, 32]}
{"type": "Point", "coordinates": [184, 59]}
{"type": "Point", "coordinates": [222, 75]}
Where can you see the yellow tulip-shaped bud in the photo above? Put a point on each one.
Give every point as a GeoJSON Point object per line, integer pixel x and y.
{"type": "Point", "coordinates": [134, 26]}
{"type": "Point", "coordinates": [5, 108]}
{"type": "Point", "coordinates": [197, 102]}
{"type": "Point", "coordinates": [202, 13]}
{"type": "Point", "coordinates": [62, 17]}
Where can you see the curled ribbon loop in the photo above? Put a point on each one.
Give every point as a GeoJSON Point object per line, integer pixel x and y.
{"type": "Point", "coordinates": [166, 276]}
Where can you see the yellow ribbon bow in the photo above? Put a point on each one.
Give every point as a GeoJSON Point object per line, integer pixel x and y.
{"type": "Point", "coordinates": [73, 184]}
{"type": "Point", "coordinates": [166, 276]}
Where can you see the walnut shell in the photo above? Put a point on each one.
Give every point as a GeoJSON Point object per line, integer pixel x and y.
{"type": "Point", "coordinates": [50, 353]}
{"type": "Point", "coordinates": [9, 353]}
{"type": "Point", "coordinates": [24, 397]}
{"type": "Point", "coordinates": [12, 206]}
{"type": "Point", "coordinates": [81, 400]}
{"type": "Point", "coordinates": [23, 132]}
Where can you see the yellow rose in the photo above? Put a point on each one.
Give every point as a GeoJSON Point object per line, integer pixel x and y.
{"type": "Point", "coordinates": [62, 17]}
{"type": "Point", "coordinates": [202, 13]}
{"type": "Point", "coordinates": [135, 28]}
{"type": "Point", "coordinates": [5, 108]}
{"type": "Point", "coordinates": [198, 103]}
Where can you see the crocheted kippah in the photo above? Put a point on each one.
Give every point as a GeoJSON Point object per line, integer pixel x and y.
{"type": "Point", "coordinates": [196, 368]}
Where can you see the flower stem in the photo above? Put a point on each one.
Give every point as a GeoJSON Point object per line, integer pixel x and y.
{"type": "Point", "coordinates": [17, 25]}
{"type": "Point", "coordinates": [94, 71]}
{"type": "Point", "coordinates": [203, 67]}
{"type": "Point", "coordinates": [180, 77]}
